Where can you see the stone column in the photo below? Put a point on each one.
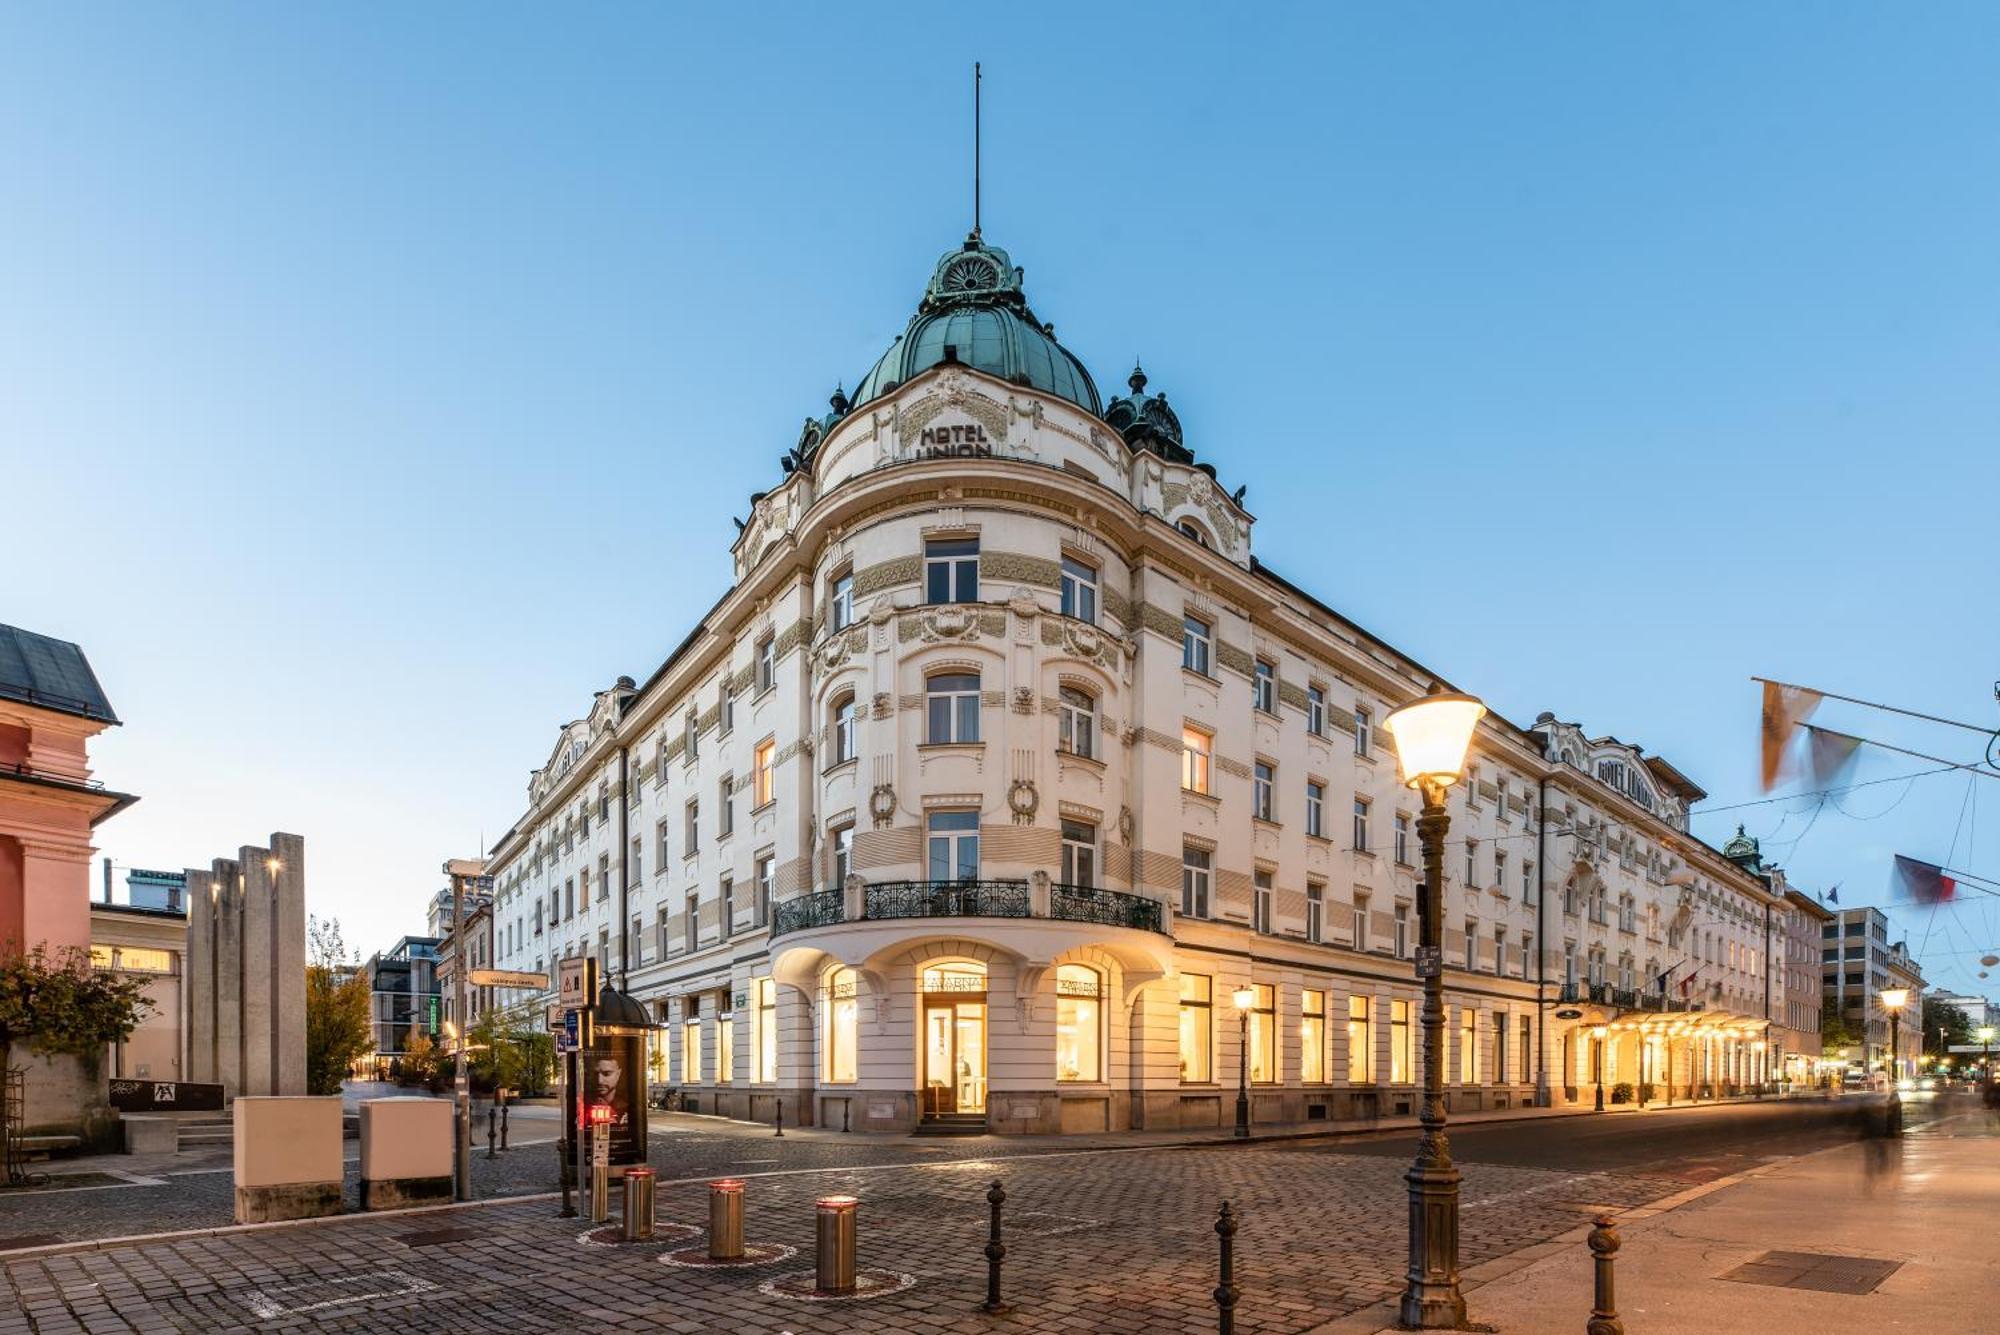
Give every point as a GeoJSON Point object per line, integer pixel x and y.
{"type": "Point", "coordinates": [228, 977]}
{"type": "Point", "coordinates": [288, 965]}
{"type": "Point", "coordinates": [201, 976]}
{"type": "Point", "coordinates": [255, 1026]}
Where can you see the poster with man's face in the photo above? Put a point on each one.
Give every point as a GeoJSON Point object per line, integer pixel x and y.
{"type": "Point", "coordinates": [611, 1075]}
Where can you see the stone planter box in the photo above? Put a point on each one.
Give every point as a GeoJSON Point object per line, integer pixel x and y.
{"type": "Point", "coordinates": [287, 1157]}
{"type": "Point", "coordinates": [406, 1146]}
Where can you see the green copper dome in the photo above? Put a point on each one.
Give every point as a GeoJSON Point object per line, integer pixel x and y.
{"type": "Point", "coordinates": [975, 313]}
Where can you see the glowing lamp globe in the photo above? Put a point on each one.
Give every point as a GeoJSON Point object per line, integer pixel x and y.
{"type": "Point", "coordinates": [1985, 1034]}
{"type": "Point", "coordinates": [1432, 734]}
{"type": "Point", "coordinates": [1895, 998]}
{"type": "Point", "coordinates": [1244, 997]}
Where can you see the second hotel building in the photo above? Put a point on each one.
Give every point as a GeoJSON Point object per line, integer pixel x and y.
{"type": "Point", "coordinates": [1004, 764]}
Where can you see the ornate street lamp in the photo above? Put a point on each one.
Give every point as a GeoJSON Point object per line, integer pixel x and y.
{"type": "Point", "coordinates": [1985, 1036]}
{"type": "Point", "coordinates": [1243, 998]}
{"type": "Point", "coordinates": [1893, 1000]}
{"type": "Point", "coordinates": [1431, 737]}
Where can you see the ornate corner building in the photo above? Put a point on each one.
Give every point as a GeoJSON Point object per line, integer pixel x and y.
{"type": "Point", "coordinates": [1004, 766]}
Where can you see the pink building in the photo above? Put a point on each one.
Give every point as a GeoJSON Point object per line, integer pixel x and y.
{"type": "Point", "coordinates": [51, 705]}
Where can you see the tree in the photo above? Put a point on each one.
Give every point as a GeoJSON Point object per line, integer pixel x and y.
{"type": "Point", "coordinates": [420, 1059]}
{"type": "Point", "coordinates": [515, 1054]}
{"type": "Point", "coordinates": [57, 1004]}
{"type": "Point", "coordinates": [1944, 1025]}
{"type": "Point", "coordinates": [339, 1009]}
{"type": "Point", "coordinates": [1835, 1031]}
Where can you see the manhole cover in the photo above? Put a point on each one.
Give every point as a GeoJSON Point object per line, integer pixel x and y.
{"type": "Point", "coordinates": [432, 1237]}
{"type": "Point", "coordinates": [1821, 1272]}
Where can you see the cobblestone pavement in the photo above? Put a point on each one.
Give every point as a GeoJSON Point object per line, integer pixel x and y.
{"type": "Point", "coordinates": [1098, 1241]}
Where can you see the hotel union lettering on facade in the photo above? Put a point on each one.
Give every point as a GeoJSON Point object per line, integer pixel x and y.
{"type": "Point", "coordinates": [1003, 766]}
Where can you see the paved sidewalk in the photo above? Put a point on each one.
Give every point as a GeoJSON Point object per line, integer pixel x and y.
{"type": "Point", "coordinates": [1927, 1216]}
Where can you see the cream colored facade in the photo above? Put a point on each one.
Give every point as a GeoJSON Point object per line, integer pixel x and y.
{"type": "Point", "coordinates": [1166, 788]}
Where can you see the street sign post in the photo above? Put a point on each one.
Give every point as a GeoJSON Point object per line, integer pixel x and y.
{"type": "Point", "coordinates": [1430, 961]}
{"type": "Point", "coordinates": [507, 978]}
{"type": "Point", "coordinates": [573, 982]}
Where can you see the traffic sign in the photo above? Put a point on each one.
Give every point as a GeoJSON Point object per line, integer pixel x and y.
{"type": "Point", "coordinates": [1430, 961]}
{"type": "Point", "coordinates": [574, 980]}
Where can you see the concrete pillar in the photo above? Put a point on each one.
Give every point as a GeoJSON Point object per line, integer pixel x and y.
{"type": "Point", "coordinates": [228, 976]}
{"type": "Point", "coordinates": [200, 977]}
{"type": "Point", "coordinates": [288, 965]}
{"type": "Point", "coordinates": [255, 1028]}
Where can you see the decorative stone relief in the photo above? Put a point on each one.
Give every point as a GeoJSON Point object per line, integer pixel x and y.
{"type": "Point", "coordinates": [1022, 801]}
{"type": "Point", "coordinates": [882, 804]}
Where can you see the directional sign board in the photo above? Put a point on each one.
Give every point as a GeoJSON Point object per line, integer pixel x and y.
{"type": "Point", "coordinates": [507, 978]}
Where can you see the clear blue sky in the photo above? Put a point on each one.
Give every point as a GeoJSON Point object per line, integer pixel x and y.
{"type": "Point", "coordinates": [375, 383]}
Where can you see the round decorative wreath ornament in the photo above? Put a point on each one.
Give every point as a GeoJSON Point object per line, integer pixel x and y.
{"type": "Point", "coordinates": [1022, 800]}
{"type": "Point", "coordinates": [882, 803]}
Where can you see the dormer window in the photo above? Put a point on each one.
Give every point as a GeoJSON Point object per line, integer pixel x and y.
{"type": "Point", "coordinates": [1190, 530]}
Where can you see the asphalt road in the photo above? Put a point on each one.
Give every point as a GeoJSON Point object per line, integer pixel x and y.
{"type": "Point", "coordinates": [1694, 1144]}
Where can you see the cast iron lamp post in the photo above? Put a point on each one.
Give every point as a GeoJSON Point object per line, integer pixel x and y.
{"type": "Point", "coordinates": [1431, 737]}
{"type": "Point", "coordinates": [1597, 1062]}
{"type": "Point", "coordinates": [1985, 1036]}
{"type": "Point", "coordinates": [1893, 1001]}
{"type": "Point", "coordinates": [1243, 998]}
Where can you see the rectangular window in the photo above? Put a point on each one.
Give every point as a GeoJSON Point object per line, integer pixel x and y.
{"type": "Point", "coordinates": [951, 570]}
{"type": "Point", "coordinates": [1364, 722]}
{"type": "Point", "coordinates": [1315, 808]}
{"type": "Point", "coordinates": [1402, 840]}
{"type": "Point", "coordinates": [1471, 864]}
{"type": "Point", "coordinates": [1264, 1035]}
{"type": "Point", "coordinates": [569, 896]}
{"type": "Point", "coordinates": [726, 707]}
{"type": "Point", "coordinates": [1312, 1037]}
{"type": "Point", "coordinates": [661, 931]}
{"type": "Point", "coordinates": [691, 836]}
{"type": "Point", "coordinates": [583, 880]}
{"type": "Point", "coordinates": [1500, 1068]}
{"type": "Point", "coordinates": [1197, 866]}
{"type": "Point", "coordinates": [843, 1027]}
{"type": "Point", "coordinates": [1468, 1046]}
{"type": "Point", "coordinates": [1360, 924]}
{"type": "Point", "coordinates": [691, 926]}
{"type": "Point", "coordinates": [1315, 911]}
{"type": "Point", "coordinates": [766, 768]}
{"type": "Point", "coordinates": [725, 1048]}
{"type": "Point", "coordinates": [1264, 688]}
{"type": "Point", "coordinates": [1472, 943]}
{"type": "Point", "coordinates": [1500, 870]}
{"type": "Point", "coordinates": [1499, 950]}
{"type": "Point", "coordinates": [843, 731]}
{"type": "Point", "coordinates": [1079, 1023]}
{"type": "Point", "coordinates": [1197, 639]}
{"type": "Point", "coordinates": [603, 877]}
{"type": "Point", "coordinates": [1262, 775]}
{"type": "Point", "coordinates": [725, 806]}
{"type": "Point", "coordinates": [764, 1029]}
{"type": "Point", "coordinates": [954, 845]}
{"type": "Point", "coordinates": [691, 738]}
{"type": "Point", "coordinates": [1079, 853]}
{"type": "Point", "coordinates": [767, 663]}
{"type": "Point", "coordinates": [1079, 591]}
{"type": "Point", "coordinates": [1195, 749]}
{"type": "Point", "coordinates": [1527, 953]}
{"type": "Point", "coordinates": [952, 708]}
{"type": "Point", "coordinates": [1197, 1033]}
{"type": "Point", "coordinates": [726, 906]}
{"type": "Point", "coordinates": [1402, 931]}
{"type": "Point", "coordinates": [691, 1050]}
{"type": "Point", "coordinates": [843, 855]}
{"type": "Point", "coordinates": [1076, 722]}
{"type": "Point", "coordinates": [840, 601]}
{"type": "Point", "coordinates": [1500, 802]}
{"type": "Point", "coordinates": [1402, 1044]}
{"type": "Point", "coordinates": [638, 870]}
{"type": "Point", "coordinates": [1316, 710]}
{"type": "Point", "coordinates": [1360, 1042]}
{"type": "Point", "coordinates": [1263, 893]}
{"type": "Point", "coordinates": [1526, 1048]}
{"type": "Point", "coordinates": [1361, 825]}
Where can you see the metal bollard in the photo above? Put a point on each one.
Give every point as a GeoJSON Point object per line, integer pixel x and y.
{"type": "Point", "coordinates": [725, 1219]}
{"type": "Point", "coordinates": [845, 1104]}
{"type": "Point", "coordinates": [503, 1124]}
{"type": "Point", "coordinates": [1226, 1291]}
{"type": "Point", "coordinates": [781, 1117]}
{"type": "Point", "coordinates": [834, 1234]}
{"type": "Point", "coordinates": [638, 1204]}
{"type": "Point", "coordinates": [492, 1132]}
{"type": "Point", "coordinates": [1603, 1249]}
{"type": "Point", "coordinates": [600, 1193]}
{"type": "Point", "coordinates": [996, 1251]}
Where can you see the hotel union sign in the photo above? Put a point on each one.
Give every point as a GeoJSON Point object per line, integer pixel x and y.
{"type": "Point", "coordinates": [954, 442]}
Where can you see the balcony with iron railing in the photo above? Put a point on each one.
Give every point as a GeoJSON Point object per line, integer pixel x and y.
{"type": "Point", "coordinates": [890, 900]}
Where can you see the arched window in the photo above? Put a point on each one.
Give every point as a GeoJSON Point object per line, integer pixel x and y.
{"type": "Point", "coordinates": [952, 707]}
{"type": "Point", "coordinates": [1190, 529]}
{"type": "Point", "coordinates": [1079, 1023]}
{"type": "Point", "coordinates": [843, 1026]}
{"type": "Point", "coordinates": [1076, 722]}
{"type": "Point", "coordinates": [840, 724]}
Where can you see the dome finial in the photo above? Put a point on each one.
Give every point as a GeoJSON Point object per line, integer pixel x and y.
{"type": "Point", "coordinates": [839, 400]}
{"type": "Point", "coordinates": [1137, 380]}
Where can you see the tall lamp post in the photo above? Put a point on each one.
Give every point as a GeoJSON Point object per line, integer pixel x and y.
{"type": "Point", "coordinates": [1985, 1036]}
{"type": "Point", "coordinates": [1243, 998]}
{"type": "Point", "coordinates": [1597, 1062]}
{"type": "Point", "coordinates": [1431, 737]}
{"type": "Point", "coordinates": [1893, 1001]}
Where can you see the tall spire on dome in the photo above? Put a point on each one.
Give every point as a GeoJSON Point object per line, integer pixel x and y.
{"type": "Point", "coordinates": [976, 80]}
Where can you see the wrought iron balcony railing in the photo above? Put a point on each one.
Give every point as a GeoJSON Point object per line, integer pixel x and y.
{"type": "Point", "coordinates": [1109, 908]}
{"type": "Point", "coordinates": [945, 899]}
{"type": "Point", "coordinates": [819, 909]}
{"type": "Point", "coordinates": [969, 899]}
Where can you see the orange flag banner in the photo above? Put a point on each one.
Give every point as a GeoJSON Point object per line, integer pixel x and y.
{"type": "Point", "coordinates": [1785, 708]}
